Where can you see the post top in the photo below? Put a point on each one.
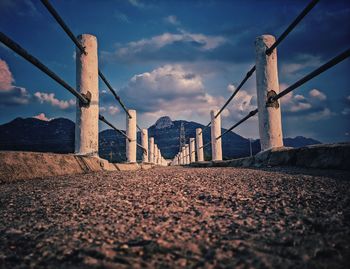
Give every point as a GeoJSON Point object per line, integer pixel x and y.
{"type": "Point", "coordinates": [266, 39]}
{"type": "Point", "coordinates": [86, 36]}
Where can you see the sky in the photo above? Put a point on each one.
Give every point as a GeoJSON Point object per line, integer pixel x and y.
{"type": "Point", "coordinates": [180, 59]}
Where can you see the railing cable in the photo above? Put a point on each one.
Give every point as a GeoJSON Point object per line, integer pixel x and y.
{"type": "Point", "coordinates": [248, 75]}
{"type": "Point", "coordinates": [65, 28]}
{"type": "Point", "coordinates": [251, 114]}
{"type": "Point", "coordinates": [292, 26]}
{"type": "Point", "coordinates": [321, 69]}
{"type": "Point", "coordinates": [103, 119]}
{"type": "Point", "coordinates": [30, 58]}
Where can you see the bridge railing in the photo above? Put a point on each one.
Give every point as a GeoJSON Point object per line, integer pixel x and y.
{"type": "Point", "coordinates": [87, 94]}
{"type": "Point", "coordinates": [268, 95]}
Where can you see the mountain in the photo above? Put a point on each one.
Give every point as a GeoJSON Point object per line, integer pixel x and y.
{"type": "Point", "coordinates": [58, 136]}
{"type": "Point", "coordinates": [32, 134]}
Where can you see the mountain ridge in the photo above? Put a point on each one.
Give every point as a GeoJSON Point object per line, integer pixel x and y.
{"type": "Point", "coordinates": [57, 135]}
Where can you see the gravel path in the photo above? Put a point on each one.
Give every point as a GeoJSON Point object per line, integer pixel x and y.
{"type": "Point", "coordinates": [178, 217]}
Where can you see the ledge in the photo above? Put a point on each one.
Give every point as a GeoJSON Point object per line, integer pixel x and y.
{"type": "Point", "coordinates": [326, 156]}
{"type": "Point", "coordinates": [15, 165]}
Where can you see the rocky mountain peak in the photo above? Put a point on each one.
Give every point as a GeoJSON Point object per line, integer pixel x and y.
{"type": "Point", "coordinates": [164, 122]}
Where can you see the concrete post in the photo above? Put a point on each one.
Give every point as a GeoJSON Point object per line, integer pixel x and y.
{"type": "Point", "coordinates": [183, 156]}
{"type": "Point", "coordinates": [192, 151]}
{"type": "Point", "coordinates": [155, 154]}
{"type": "Point", "coordinates": [86, 127]}
{"type": "Point", "coordinates": [216, 149]}
{"type": "Point", "coordinates": [187, 154]}
{"type": "Point", "coordinates": [199, 145]}
{"type": "Point", "coordinates": [151, 150]}
{"type": "Point", "coordinates": [144, 143]}
{"type": "Point", "coordinates": [267, 85]}
{"type": "Point", "coordinates": [131, 133]}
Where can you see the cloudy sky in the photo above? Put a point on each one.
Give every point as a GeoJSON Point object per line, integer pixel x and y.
{"type": "Point", "coordinates": [182, 59]}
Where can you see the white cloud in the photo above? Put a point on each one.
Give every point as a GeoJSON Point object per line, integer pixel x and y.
{"type": "Point", "coordinates": [169, 90]}
{"type": "Point", "coordinates": [172, 19]}
{"type": "Point", "coordinates": [9, 93]}
{"type": "Point", "coordinates": [42, 116]}
{"type": "Point", "coordinates": [346, 111]}
{"type": "Point", "coordinates": [50, 98]}
{"type": "Point", "coordinates": [6, 78]}
{"type": "Point", "coordinates": [325, 113]}
{"type": "Point", "coordinates": [121, 16]}
{"type": "Point", "coordinates": [317, 94]}
{"type": "Point", "coordinates": [231, 88]}
{"type": "Point", "coordinates": [136, 3]}
{"type": "Point", "coordinates": [303, 61]}
{"type": "Point", "coordinates": [157, 42]}
{"type": "Point", "coordinates": [112, 110]}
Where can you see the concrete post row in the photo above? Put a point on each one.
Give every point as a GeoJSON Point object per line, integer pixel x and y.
{"type": "Point", "coordinates": [86, 127]}
{"type": "Point", "coordinates": [192, 151]}
{"type": "Point", "coordinates": [199, 145]}
{"type": "Point", "coordinates": [216, 149]}
{"type": "Point", "coordinates": [267, 85]}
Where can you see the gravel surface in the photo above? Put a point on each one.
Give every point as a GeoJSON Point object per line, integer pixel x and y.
{"type": "Point", "coordinates": [178, 217]}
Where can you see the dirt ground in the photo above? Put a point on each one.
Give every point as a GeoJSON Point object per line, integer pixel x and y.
{"type": "Point", "coordinates": [178, 218]}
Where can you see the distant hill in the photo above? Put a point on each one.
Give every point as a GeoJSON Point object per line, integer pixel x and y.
{"type": "Point", "coordinates": [58, 136]}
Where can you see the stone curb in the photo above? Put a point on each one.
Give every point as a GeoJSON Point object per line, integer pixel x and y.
{"type": "Point", "coordinates": [325, 156]}
{"type": "Point", "coordinates": [15, 165]}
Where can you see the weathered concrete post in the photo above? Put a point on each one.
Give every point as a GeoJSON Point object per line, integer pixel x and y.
{"type": "Point", "coordinates": [187, 152]}
{"type": "Point", "coordinates": [131, 133]}
{"type": "Point", "coordinates": [86, 127]}
{"type": "Point", "coordinates": [267, 85]}
{"type": "Point", "coordinates": [192, 151]}
{"type": "Point", "coordinates": [183, 151]}
{"type": "Point", "coordinates": [199, 145]}
{"type": "Point", "coordinates": [151, 150]}
{"type": "Point", "coordinates": [155, 154]}
{"type": "Point", "coordinates": [216, 149]}
{"type": "Point", "coordinates": [144, 143]}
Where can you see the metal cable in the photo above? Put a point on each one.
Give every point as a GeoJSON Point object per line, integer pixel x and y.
{"type": "Point", "coordinates": [247, 76]}
{"type": "Point", "coordinates": [321, 69]}
{"type": "Point", "coordinates": [117, 97]}
{"type": "Point", "coordinates": [30, 58]}
{"type": "Point", "coordinates": [292, 26]}
{"type": "Point", "coordinates": [103, 119]}
{"type": "Point", "coordinates": [251, 114]}
{"type": "Point", "coordinates": [269, 50]}
{"type": "Point", "coordinates": [205, 145]}
{"type": "Point", "coordinates": [202, 131]}
{"type": "Point", "coordinates": [64, 26]}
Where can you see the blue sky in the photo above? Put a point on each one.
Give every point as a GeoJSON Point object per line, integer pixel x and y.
{"type": "Point", "coordinates": [181, 59]}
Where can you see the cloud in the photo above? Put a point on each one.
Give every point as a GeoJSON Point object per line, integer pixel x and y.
{"type": "Point", "coordinates": [231, 88]}
{"type": "Point", "coordinates": [167, 46]}
{"type": "Point", "coordinates": [112, 110]}
{"type": "Point", "coordinates": [313, 107]}
{"type": "Point", "coordinates": [6, 78]}
{"type": "Point", "coordinates": [10, 94]}
{"type": "Point", "coordinates": [42, 116]}
{"type": "Point", "coordinates": [136, 3]}
{"type": "Point", "coordinates": [121, 16]}
{"type": "Point", "coordinates": [172, 19]}
{"type": "Point", "coordinates": [50, 98]}
{"type": "Point", "coordinates": [318, 95]}
{"type": "Point", "coordinates": [171, 90]}
{"type": "Point", "coordinates": [299, 64]}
